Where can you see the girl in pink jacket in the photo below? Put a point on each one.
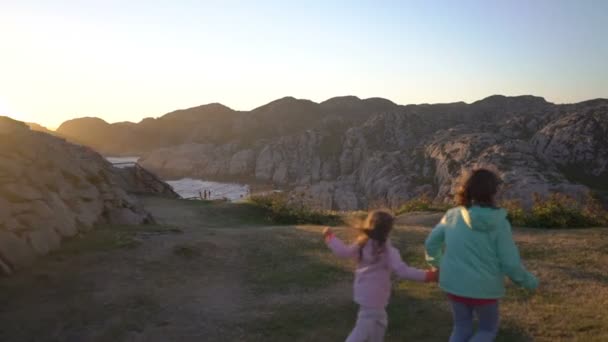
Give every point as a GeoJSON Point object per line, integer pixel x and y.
{"type": "Point", "coordinates": [376, 259]}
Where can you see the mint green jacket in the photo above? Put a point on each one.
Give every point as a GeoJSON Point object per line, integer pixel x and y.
{"type": "Point", "coordinates": [474, 250]}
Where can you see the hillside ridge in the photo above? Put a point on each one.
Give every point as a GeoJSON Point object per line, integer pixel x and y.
{"type": "Point", "coordinates": [350, 153]}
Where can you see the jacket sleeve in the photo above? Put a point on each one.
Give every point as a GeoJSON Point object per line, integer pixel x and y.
{"type": "Point", "coordinates": [401, 269]}
{"type": "Point", "coordinates": [341, 250]}
{"type": "Point", "coordinates": [510, 261]}
{"type": "Point", "coordinates": [434, 244]}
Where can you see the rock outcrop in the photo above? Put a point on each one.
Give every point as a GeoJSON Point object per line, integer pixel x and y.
{"type": "Point", "coordinates": [136, 180]}
{"type": "Point", "coordinates": [348, 153]}
{"type": "Point", "coordinates": [50, 190]}
{"type": "Point", "coordinates": [577, 144]}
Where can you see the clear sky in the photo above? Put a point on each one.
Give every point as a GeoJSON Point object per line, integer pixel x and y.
{"type": "Point", "coordinates": [125, 60]}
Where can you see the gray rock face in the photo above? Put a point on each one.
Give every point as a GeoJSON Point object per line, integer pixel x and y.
{"type": "Point", "coordinates": [242, 162]}
{"type": "Point", "coordinates": [577, 143]}
{"type": "Point", "coordinates": [50, 190]}
{"type": "Point", "coordinates": [523, 171]}
{"type": "Point", "coordinates": [124, 216]}
{"type": "Point", "coordinates": [386, 157]}
{"type": "Point", "coordinates": [190, 160]}
{"type": "Point", "coordinates": [136, 179]}
{"type": "Point", "coordinates": [294, 159]}
{"type": "Point", "coordinates": [264, 166]}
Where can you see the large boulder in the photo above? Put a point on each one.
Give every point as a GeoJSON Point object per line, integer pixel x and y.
{"type": "Point", "coordinates": [15, 252]}
{"type": "Point", "coordinates": [19, 192]}
{"type": "Point", "coordinates": [51, 190]}
{"type": "Point", "coordinates": [43, 240]}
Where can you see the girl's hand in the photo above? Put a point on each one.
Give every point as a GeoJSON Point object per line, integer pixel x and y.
{"type": "Point", "coordinates": [327, 233]}
{"type": "Point", "coordinates": [432, 275]}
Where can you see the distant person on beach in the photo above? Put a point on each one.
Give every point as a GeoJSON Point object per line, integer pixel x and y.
{"type": "Point", "coordinates": [376, 259]}
{"type": "Point", "coordinates": [474, 249]}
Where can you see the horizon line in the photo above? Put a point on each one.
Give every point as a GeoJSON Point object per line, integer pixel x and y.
{"type": "Point", "coordinates": [305, 99]}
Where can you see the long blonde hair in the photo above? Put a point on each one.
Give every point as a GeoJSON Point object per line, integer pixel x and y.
{"type": "Point", "coordinates": [377, 227]}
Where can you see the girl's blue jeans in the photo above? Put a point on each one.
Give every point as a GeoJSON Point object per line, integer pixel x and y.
{"type": "Point", "coordinates": [463, 322]}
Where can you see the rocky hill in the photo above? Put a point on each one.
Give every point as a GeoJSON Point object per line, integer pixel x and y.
{"type": "Point", "coordinates": [38, 128]}
{"type": "Point", "coordinates": [50, 190]}
{"type": "Point", "coordinates": [348, 153]}
{"type": "Point", "coordinates": [218, 124]}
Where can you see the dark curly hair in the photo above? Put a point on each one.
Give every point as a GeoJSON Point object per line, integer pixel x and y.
{"type": "Point", "coordinates": [479, 187]}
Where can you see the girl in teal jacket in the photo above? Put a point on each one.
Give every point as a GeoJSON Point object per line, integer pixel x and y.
{"type": "Point", "coordinates": [473, 248]}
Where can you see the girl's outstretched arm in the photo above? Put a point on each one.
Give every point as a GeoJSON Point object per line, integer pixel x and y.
{"type": "Point", "coordinates": [404, 271]}
{"type": "Point", "coordinates": [510, 260]}
{"type": "Point", "coordinates": [339, 248]}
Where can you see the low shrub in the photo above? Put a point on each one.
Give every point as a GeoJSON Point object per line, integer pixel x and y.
{"type": "Point", "coordinates": [558, 211]}
{"type": "Point", "coordinates": [517, 214]}
{"type": "Point", "coordinates": [422, 203]}
{"type": "Point", "coordinates": [280, 210]}
{"type": "Point", "coordinates": [553, 211]}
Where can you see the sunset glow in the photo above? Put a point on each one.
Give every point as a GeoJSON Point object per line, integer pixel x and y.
{"type": "Point", "coordinates": [129, 60]}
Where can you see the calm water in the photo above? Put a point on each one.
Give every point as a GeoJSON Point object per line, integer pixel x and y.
{"type": "Point", "coordinates": [188, 187]}
{"type": "Point", "coordinates": [120, 160]}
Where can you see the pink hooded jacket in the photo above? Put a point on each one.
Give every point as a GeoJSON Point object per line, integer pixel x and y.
{"type": "Point", "coordinates": [372, 286]}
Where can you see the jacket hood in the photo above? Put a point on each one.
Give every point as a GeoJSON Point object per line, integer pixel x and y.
{"type": "Point", "coordinates": [483, 218]}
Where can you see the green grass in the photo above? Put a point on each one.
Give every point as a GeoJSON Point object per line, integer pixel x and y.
{"type": "Point", "coordinates": [417, 312]}
{"type": "Point", "coordinates": [333, 321]}
{"type": "Point", "coordinates": [136, 312]}
{"type": "Point", "coordinates": [289, 260]}
{"type": "Point", "coordinates": [279, 210]}
{"type": "Point", "coordinates": [206, 214]}
{"type": "Point", "coordinates": [259, 283]}
{"type": "Point", "coordinates": [71, 308]}
{"type": "Point", "coordinates": [104, 238]}
{"type": "Point", "coordinates": [308, 322]}
{"type": "Point", "coordinates": [187, 251]}
{"type": "Point", "coordinates": [564, 309]}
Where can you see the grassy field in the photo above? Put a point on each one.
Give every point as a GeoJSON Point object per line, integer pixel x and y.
{"type": "Point", "coordinates": [219, 272]}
